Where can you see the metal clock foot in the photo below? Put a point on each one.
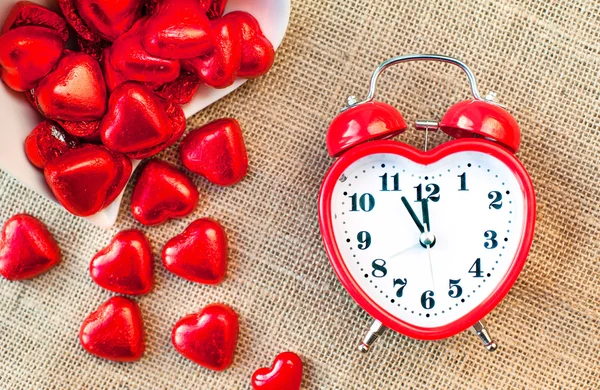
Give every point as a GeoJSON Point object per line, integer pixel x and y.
{"type": "Point", "coordinates": [480, 330]}
{"type": "Point", "coordinates": [375, 331]}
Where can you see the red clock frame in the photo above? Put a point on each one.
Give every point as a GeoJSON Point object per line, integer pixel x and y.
{"type": "Point", "coordinates": [418, 156]}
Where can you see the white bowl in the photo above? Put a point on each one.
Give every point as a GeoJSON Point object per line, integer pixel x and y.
{"type": "Point", "coordinates": [18, 118]}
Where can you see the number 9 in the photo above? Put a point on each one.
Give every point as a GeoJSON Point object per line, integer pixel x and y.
{"type": "Point", "coordinates": [364, 238]}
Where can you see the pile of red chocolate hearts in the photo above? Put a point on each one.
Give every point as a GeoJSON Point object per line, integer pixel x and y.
{"type": "Point", "coordinates": [109, 78]}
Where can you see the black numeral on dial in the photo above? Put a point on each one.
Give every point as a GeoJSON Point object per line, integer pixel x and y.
{"type": "Point", "coordinates": [396, 182]}
{"type": "Point", "coordinates": [496, 198]}
{"type": "Point", "coordinates": [491, 241]}
{"type": "Point", "coordinates": [463, 182]}
{"type": "Point", "coordinates": [427, 300]}
{"type": "Point", "coordinates": [476, 269]}
{"type": "Point", "coordinates": [364, 239]}
{"type": "Point", "coordinates": [366, 202]}
{"type": "Point", "coordinates": [455, 290]}
{"type": "Point", "coordinates": [379, 270]}
{"type": "Point", "coordinates": [432, 189]}
{"type": "Point", "coordinates": [402, 284]}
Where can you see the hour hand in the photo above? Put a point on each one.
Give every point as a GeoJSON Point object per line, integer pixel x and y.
{"type": "Point", "coordinates": [413, 215]}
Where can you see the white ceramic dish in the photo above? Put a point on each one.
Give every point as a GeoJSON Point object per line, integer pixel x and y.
{"type": "Point", "coordinates": [18, 118]}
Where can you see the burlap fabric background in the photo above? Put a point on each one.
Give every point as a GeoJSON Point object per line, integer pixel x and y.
{"type": "Point", "coordinates": [543, 59]}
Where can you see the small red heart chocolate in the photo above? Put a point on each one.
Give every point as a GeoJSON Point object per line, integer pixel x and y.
{"type": "Point", "coordinates": [129, 58]}
{"type": "Point", "coordinates": [209, 337]}
{"type": "Point", "coordinates": [27, 54]}
{"type": "Point", "coordinates": [181, 90]}
{"type": "Point", "coordinates": [199, 254]}
{"type": "Point", "coordinates": [216, 8]}
{"type": "Point", "coordinates": [179, 29]}
{"type": "Point", "coordinates": [115, 331]}
{"type": "Point", "coordinates": [125, 266]}
{"type": "Point", "coordinates": [219, 69]}
{"type": "Point", "coordinates": [46, 142]}
{"type": "Point", "coordinates": [258, 54]}
{"type": "Point", "coordinates": [87, 179]}
{"type": "Point", "coordinates": [27, 13]}
{"type": "Point", "coordinates": [217, 152]}
{"type": "Point", "coordinates": [162, 192]}
{"type": "Point", "coordinates": [136, 122]}
{"type": "Point", "coordinates": [27, 248]}
{"type": "Point", "coordinates": [74, 90]}
{"type": "Point", "coordinates": [284, 374]}
{"type": "Point", "coordinates": [108, 18]}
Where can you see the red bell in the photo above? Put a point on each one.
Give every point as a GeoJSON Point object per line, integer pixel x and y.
{"type": "Point", "coordinates": [361, 123]}
{"type": "Point", "coordinates": [480, 119]}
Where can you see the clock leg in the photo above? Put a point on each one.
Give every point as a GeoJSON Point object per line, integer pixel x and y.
{"type": "Point", "coordinates": [375, 331]}
{"type": "Point", "coordinates": [480, 330]}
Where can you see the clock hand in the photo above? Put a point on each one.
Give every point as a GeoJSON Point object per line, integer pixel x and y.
{"type": "Point", "coordinates": [402, 251]}
{"type": "Point", "coordinates": [413, 215]}
{"type": "Point", "coordinates": [425, 209]}
{"type": "Point", "coordinates": [429, 255]}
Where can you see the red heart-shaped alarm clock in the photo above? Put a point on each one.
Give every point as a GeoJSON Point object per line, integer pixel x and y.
{"type": "Point", "coordinates": [208, 337]}
{"type": "Point", "coordinates": [284, 374]}
{"type": "Point", "coordinates": [126, 265]}
{"type": "Point", "coordinates": [427, 242]}
{"type": "Point", "coordinates": [114, 331]}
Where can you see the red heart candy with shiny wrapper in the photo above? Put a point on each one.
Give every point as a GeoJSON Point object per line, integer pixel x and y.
{"type": "Point", "coordinates": [109, 19]}
{"type": "Point", "coordinates": [209, 337]}
{"type": "Point", "coordinates": [126, 265]}
{"type": "Point", "coordinates": [115, 331]}
{"type": "Point", "coordinates": [27, 54]}
{"type": "Point", "coordinates": [162, 192]}
{"type": "Point", "coordinates": [87, 179]}
{"type": "Point", "coordinates": [199, 254]}
{"type": "Point", "coordinates": [46, 142]}
{"type": "Point", "coordinates": [284, 374]}
{"type": "Point", "coordinates": [27, 13]}
{"type": "Point", "coordinates": [216, 151]}
{"type": "Point", "coordinates": [27, 249]}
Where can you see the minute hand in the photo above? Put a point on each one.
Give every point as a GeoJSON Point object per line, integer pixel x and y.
{"type": "Point", "coordinates": [413, 215]}
{"type": "Point", "coordinates": [425, 209]}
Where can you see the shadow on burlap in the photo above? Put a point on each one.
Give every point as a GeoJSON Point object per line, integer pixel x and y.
{"type": "Point", "coordinates": [543, 60]}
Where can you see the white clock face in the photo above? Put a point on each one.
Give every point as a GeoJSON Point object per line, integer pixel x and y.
{"type": "Point", "coordinates": [475, 207]}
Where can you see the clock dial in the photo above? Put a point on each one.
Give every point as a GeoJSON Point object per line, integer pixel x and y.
{"type": "Point", "coordinates": [469, 204]}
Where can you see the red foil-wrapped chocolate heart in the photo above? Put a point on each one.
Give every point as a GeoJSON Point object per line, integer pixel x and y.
{"type": "Point", "coordinates": [209, 337]}
{"type": "Point", "coordinates": [129, 58]}
{"type": "Point", "coordinates": [162, 192]}
{"type": "Point", "coordinates": [284, 374]}
{"type": "Point", "coordinates": [217, 152]}
{"type": "Point", "coordinates": [136, 122]}
{"type": "Point", "coordinates": [125, 266]}
{"type": "Point", "coordinates": [219, 69]}
{"type": "Point", "coordinates": [114, 331]}
{"type": "Point", "coordinates": [109, 19]}
{"type": "Point", "coordinates": [27, 249]}
{"type": "Point", "coordinates": [27, 13]}
{"type": "Point", "coordinates": [74, 90]}
{"type": "Point", "coordinates": [27, 54]}
{"type": "Point", "coordinates": [178, 29]}
{"type": "Point", "coordinates": [258, 54]}
{"type": "Point", "coordinates": [46, 142]}
{"type": "Point", "coordinates": [87, 179]}
{"type": "Point", "coordinates": [199, 254]}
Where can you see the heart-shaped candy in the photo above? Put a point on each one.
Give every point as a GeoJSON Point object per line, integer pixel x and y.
{"type": "Point", "coordinates": [115, 331]}
{"type": "Point", "coordinates": [74, 90]}
{"type": "Point", "coordinates": [129, 58]}
{"type": "Point", "coordinates": [217, 152]}
{"type": "Point", "coordinates": [27, 13]}
{"type": "Point", "coordinates": [258, 54]}
{"type": "Point", "coordinates": [220, 68]}
{"type": "Point", "coordinates": [136, 122]}
{"type": "Point", "coordinates": [125, 266]}
{"type": "Point", "coordinates": [179, 29]}
{"type": "Point", "coordinates": [87, 179]}
{"type": "Point", "coordinates": [209, 337]}
{"type": "Point", "coordinates": [162, 192]}
{"type": "Point", "coordinates": [110, 19]}
{"type": "Point", "coordinates": [27, 248]}
{"type": "Point", "coordinates": [46, 142]}
{"type": "Point", "coordinates": [216, 8]}
{"type": "Point", "coordinates": [199, 254]}
{"type": "Point", "coordinates": [27, 54]}
{"type": "Point", "coordinates": [284, 374]}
